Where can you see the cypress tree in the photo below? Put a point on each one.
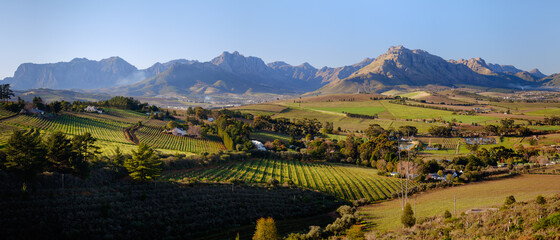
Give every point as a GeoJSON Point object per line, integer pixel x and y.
{"type": "Point", "coordinates": [408, 219]}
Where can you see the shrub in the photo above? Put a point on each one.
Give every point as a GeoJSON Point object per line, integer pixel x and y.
{"type": "Point", "coordinates": [510, 200]}
{"type": "Point", "coordinates": [541, 200]}
{"type": "Point", "coordinates": [408, 219]}
{"type": "Point", "coordinates": [447, 214]}
{"type": "Point", "coordinates": [355, 233]}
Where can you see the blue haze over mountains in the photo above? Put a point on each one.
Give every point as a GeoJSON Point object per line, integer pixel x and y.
{"type": "Point", "coordinates": [238, 74]}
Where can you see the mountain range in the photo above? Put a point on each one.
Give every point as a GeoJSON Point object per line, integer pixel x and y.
{"type": "Point", "coordinates": [233, 73]}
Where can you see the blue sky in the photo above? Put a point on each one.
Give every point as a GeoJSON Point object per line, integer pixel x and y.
{"type": "Point", "coordinates": [525, 34]}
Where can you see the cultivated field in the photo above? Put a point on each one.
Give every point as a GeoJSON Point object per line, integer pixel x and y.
{"type": "Point", "coordinates": [155, 137]}
{"type": "Point", "coordinates": [343, 181]}
{"type": "Point", "coordinates": [387, 215]}
{"type": "Point", "coordinates": [108, 128]}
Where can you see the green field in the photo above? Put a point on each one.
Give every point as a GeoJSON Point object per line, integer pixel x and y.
{"type": "Point", "coordinates": [545, 128]}
{"type": "Point", "coordinates": [387, 215]}
{"type": "Point", "coordinates": [347, 182]}
{"type": "Point", "coordinates": [410, 112]}
{"type": "Point", "coordinates": [270, 136]}
{"type": "Point", "coordinates": [548, 112]}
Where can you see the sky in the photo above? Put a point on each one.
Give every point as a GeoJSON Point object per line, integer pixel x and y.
{"type": "Point", "coordinates": [525, 34]}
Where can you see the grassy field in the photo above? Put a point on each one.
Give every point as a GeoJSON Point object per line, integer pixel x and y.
{"type": "Point", "coordinates": [387, 215]}
{"type": "Point", "coordinates": [548, 112]}
{"type": "Point", "coordinates": [270, 136]}
{"type": "Point", "coordinates": [410, 112]}
{"type": "Point", "coordinates": [344, 181]}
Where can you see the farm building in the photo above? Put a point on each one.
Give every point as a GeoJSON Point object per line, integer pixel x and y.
{"type": "Point", "coordinates": [178, 132]}
{"type": "Point", "coordinates": [258, 145]}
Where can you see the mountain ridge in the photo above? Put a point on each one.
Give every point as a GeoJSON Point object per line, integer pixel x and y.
{"type": "Point", "coordinates": [234, 73]}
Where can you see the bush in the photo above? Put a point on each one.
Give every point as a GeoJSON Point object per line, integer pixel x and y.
{"type": "Point", "coordinates": [510, 200]}
{"type": "Point", "coordinates": [447, 214]}
{"type": "Point", "coordinates": [550, 221]}
{"type": "Point", "coordinates": [355, 233]}
{"type": "Point", "coordinates": [541, 200]}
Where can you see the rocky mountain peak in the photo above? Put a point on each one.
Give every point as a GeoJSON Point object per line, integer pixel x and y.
{"type": "Point", "coordinates": [537, 73]}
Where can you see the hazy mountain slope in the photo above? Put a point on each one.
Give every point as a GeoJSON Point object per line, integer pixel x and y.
{"type": "Point", "coordinates": [158, 67]}
{"type": "Point", "coordinates": [78, 73]}
{"type": "Point", "coordinates": [552, 80]}
{"type": "Point", "coordinates": [195, 78]}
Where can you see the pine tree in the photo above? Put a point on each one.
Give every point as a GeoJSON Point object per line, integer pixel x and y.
{"type": "Point", "coordinates": [25, 153]}
{"type": "Point", "coordinates": [59, 152]}
{"type": "Point", "coordinates": [266, 230]}
{"type": "Point", "coordinates": [408, 219]}
{"type": "Point", "coordinates": [143, 165]}
{"type": "Point", "coordinates": [118, 159]}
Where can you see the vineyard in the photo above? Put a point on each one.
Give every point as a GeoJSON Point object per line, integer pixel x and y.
{"type": "Point", "coordinates": [5, 114]}
{"type": "Point", "coordinates": [154, 137]}
{"type": "Point", "coordinates": [102, 129]}
{"type": "Point", "coordinates": [343, 181]}
{"type": "Point", "coordinates": [144, 211]}
{"type": "Point", "coordinates": [447, 143]}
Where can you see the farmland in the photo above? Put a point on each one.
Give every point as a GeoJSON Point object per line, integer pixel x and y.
{"type": "Point", "coordinates": [154, 137]}
{"type": "Point", "coordinates": [410, 112]}
{"type": "Point", "coordinates": [108, 128]}
{"type": "Point", "coordinates": [343, 181]}
{"type": "Point", "coordinates": [386, 215]}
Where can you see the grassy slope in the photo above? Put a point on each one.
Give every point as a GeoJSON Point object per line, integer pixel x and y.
{"type": "Point", "coordinates": [410, 112]}
{"type": "Point", "coordinates": [386, 215]}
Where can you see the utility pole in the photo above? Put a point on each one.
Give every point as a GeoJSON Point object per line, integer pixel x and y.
{"type": "Point", "coordinates": [454, 205]}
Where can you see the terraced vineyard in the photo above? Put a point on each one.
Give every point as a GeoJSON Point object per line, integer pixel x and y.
{"type": "Point", "coordinates": [343, 181]}
{"type": "Point", "coordinates": [154, 137]}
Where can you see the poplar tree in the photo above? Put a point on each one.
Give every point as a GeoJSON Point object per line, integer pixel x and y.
{"type": "Point", "coordinates": [266, 230]}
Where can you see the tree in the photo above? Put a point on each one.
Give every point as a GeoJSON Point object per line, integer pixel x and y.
{"type": "Point", "coordinates": [143, 165]}
{"type": "Point", "coordinates": [59, 153]}
{"type": "Point", "coordinates": [172, 125]}
{"type": "Point", "coordinates": [408, 219]}
{"type": "Point", "coordinates": [373, 130]}
{"type": "Point", "coordinates": [408, 130]}
{"type": "Point", "coordinates": [266, 230]}
{"type": "Point", "coordinates": [5, 92]}
{"type": "Point", "coordinates": [38, 103]}
{"type": "Point", "coordinates": [118, 159]}
{"type": "Point", "coordinates": [55, 107]}
{"type": "Point", "coordinates": [25, 153]}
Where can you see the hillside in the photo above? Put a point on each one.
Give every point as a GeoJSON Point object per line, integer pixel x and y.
{"type": "Point", "coordinates": [79, 73]}
{"type": "Point", "coordinates": [402, 66]}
